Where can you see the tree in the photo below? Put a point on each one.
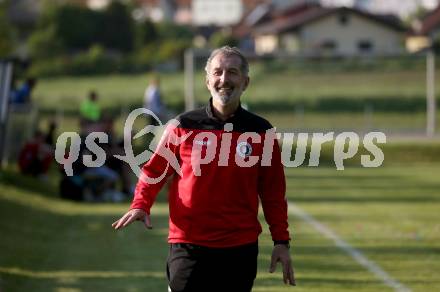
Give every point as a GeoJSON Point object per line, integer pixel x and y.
{"type": "Point", "coordinates": [171, 31]}
{"type": "Point", "coordinates": [118, 29]}
{"type": "Point", "coordinates": [6, 33]}
{"type": "Point", "coordinates": [416, 15]}
{"type": "Point", "coordinates": [44, 44]}
{"type": "Point", "coordinates": [146, 33]}
{"type": "Point", "coordinates": [76, 26]}
{"type": "Point", "coordinates": [220, 39]}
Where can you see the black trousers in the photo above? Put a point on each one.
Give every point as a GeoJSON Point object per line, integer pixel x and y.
{"type": "Point", "coordinates": [195, 268]}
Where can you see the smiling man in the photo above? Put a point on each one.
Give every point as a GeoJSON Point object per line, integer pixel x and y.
{"type": "Point", "coordinates": [213, 225]}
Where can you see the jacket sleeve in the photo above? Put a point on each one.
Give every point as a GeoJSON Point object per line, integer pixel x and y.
{"type": "Point", "coordinates": [155, 172]}
{"type": "Point", "coordinates": [272, 191]}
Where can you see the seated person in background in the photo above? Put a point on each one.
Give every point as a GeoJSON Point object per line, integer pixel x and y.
{"type": "Point", "coordinates": [22, 95]}
{"type": "Point", "coordinates": [92, 184]}
{"type": "Point", "coordinates": [36, 156]}
{"type": "Point", "coordinates": [50, 139]}
{"type": "Point", "coordinates": [115, 146]}
{"type": "Point", "coordinates": [72, 187]}
{"type": "Point", "coordinates": [99, 183]}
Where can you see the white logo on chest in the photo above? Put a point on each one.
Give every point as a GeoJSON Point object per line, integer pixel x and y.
{"type": "Point", "coordinates": [244, 149]}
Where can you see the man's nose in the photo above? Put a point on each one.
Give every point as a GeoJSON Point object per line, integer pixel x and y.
{"type": "Point", "coordinates": [224, 76]}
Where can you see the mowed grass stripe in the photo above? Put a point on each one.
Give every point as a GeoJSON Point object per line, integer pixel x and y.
{"type": "Point", "coordinates": [79, 274]}
{"type": "Point", "coordinates": [354, 253]}
{"type": "Point", "coordinates": [398, 228]}
{"type": "Point", "coordinates": [42, 234]}
{"type": "Point", "coordinates": [319, 264]}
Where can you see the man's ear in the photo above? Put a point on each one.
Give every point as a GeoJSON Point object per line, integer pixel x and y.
{"type": "Point", "coordinates": [207, 81]}
{"type": "Point", "coordinates": [246, 83]}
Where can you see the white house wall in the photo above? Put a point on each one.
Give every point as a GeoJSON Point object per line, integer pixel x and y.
{"type": "Point", "coordinates": [385, 41]}
{"type": "Point", "coordinates": [265, 44]}
{"type": "Point", "coordinates": [215, 12]}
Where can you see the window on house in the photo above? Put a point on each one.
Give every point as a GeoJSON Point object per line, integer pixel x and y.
{"type": "Point", "coordinates": [329, 45]}
{"type": "Point", "coordinates": [343, 19]}
{"type": "Point", "coordinates": [365, 46]}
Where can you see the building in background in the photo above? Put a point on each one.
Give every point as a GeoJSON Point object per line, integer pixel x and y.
{"type": "Point", "coordinates": [314, 30]}
{"type": "Point", "coordinates": [401, 8]}
{"type": "Point", "coordinates": [425, 33]}
{"type": "Point", "coordinates": [315, 27]}
{"type": "Point", "coordinates": [196, 13]}
{"type": "Point", "coordinates": [217, 13]}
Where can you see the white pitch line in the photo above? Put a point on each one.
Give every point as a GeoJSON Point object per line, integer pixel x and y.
{"type": "Point", "coordinates": [354, 253]}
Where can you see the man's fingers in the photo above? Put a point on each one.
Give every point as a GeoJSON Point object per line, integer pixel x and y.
{"type": "Point", "coordinates": [133, 215]}
{"type": "Point", "coordinates": [129, 220]}
{"type": "Point", "coordinates": [117, 223]}
{"type": "Point", "coordinates": [147, 222]}
{"type": "Point", "coordinates": [120, 222]}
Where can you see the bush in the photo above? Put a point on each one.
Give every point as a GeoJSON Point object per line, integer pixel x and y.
{"type": "Point", "coordinates": [171, 31]}
{"type": "Point", "coordinates": [220, 39]}
{"type": "Point", "coordinates": [44, 44]}
{"type": "Point", "coordinates": [117, 28]}
{"type": "Point", "coordinates": [170, 49]}
{"type": "Point", "coordinates": [73, 40]}
{"type": "Point", "coordinates": [78, 28]}
{"type": "Point", "coordinates": [6, 34]}
{"type": "Point", "coordinates": [48, 67]}
{"type": "Point", "coordinates": [93, 61]}
{"type": "Point", "coordinates": [147, 55]}
{"type": "Point", "coordinates": [274, 64]}
{"type": "Point", "coordinates": [146, 34]}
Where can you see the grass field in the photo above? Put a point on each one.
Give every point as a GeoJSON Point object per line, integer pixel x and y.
{"type": "Point", "coordinates": [278, 96]}
{"type": "Point", "coordinates": [390, 214]}
{"type": "Point", "coordinates": [116, 90]}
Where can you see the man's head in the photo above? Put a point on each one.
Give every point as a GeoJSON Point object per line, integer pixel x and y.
{"type": "Point", "coordinates": [93, 96]}
{"type": "Point", "coordinates": [31, 82]}
{"type": "Point", "coordinates": [227, 75]}
{"type": "Point", "coordinates": [155, 80]}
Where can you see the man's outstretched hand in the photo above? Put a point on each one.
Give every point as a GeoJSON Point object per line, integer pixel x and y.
{"type": "Point", "coordinates": [131, 216]}
{"type": "Point", "coordinates": [281, 254]}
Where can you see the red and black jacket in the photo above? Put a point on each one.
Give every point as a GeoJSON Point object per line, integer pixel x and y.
{"type": "Point", "coordinates": [219, 207]}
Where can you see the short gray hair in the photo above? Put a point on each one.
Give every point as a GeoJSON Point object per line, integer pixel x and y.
{"type": "Point", "coordinates": [229, 51]}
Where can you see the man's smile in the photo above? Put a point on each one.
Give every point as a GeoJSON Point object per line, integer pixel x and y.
{"type": "Point", "coordinates": [225, 89]}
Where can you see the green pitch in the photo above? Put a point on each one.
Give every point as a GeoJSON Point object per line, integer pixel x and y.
{"type": "Point", "coordinates": [271, 94]}
{"type": "Point", "coordinates": [389, 214]}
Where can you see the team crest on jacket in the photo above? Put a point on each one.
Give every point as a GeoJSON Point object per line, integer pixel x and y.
{"type": "Point", "coordinates": [244, 149]}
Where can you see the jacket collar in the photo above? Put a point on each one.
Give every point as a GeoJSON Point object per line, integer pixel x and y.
{"type": "Point", "coordinates": [210, 112]}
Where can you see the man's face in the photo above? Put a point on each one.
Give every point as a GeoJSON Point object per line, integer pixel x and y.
{"type": "Point", "coordinates": [224, 79]}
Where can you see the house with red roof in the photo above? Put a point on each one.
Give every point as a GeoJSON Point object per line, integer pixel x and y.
{"type": "Point", "coordinates": [425, 32]}
{"type": "Point", "coordinates": [310, 29]}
